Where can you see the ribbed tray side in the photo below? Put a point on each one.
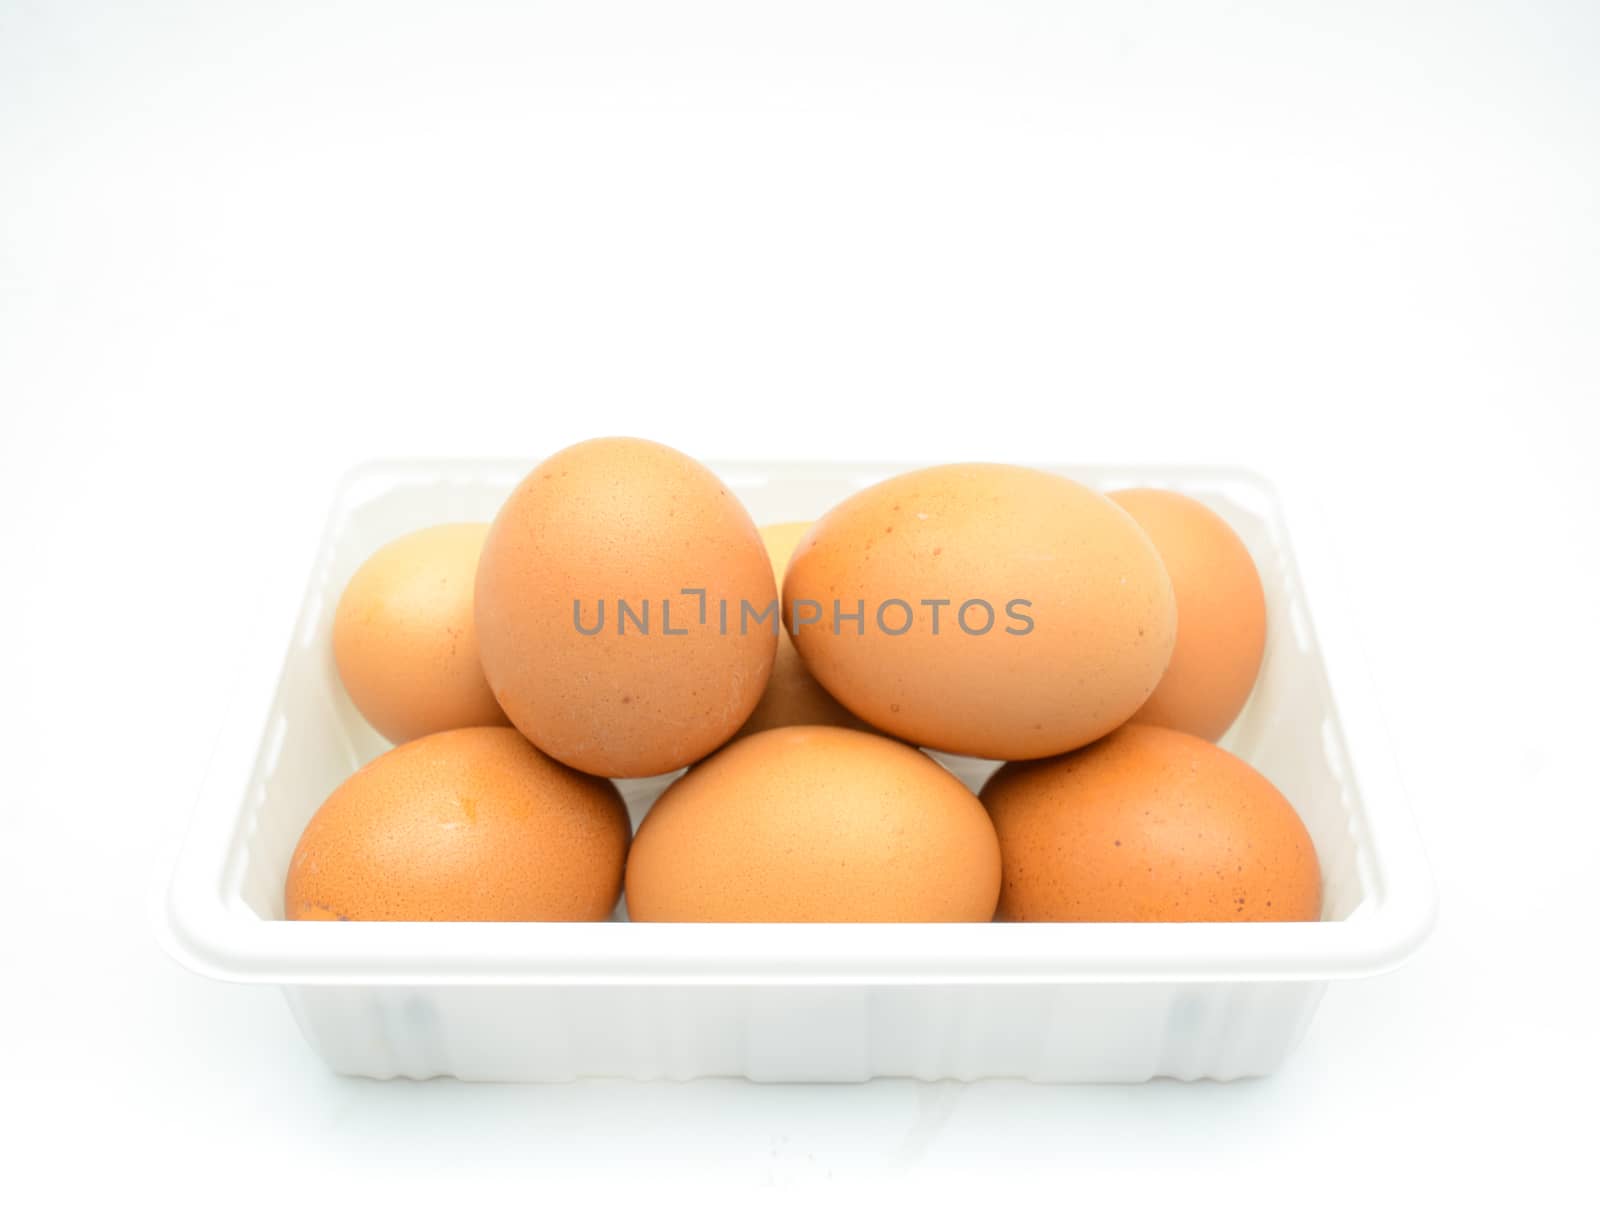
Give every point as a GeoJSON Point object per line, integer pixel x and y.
{"type": "Point", "coordinates": [1073, 1033]}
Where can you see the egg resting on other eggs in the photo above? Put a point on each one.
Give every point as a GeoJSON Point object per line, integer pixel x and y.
{"type": "Point", "coordinates": [611, 521]}
{"type": "Point", "coordinates": [1075, 625]}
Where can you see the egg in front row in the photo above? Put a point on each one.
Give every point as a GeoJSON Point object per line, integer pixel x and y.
{"type": "Point", "coordinates": [473, 824]}
{"type": "Point", "coordinates": [815, 825]}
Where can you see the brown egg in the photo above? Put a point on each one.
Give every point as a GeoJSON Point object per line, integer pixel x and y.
{"type": "Point", "coordinates": [472, 824]}
{"type": "Point", "coordinates": [1222, 613]}
{"type": "Point", "coordinates": [588, 636]}
{"type": "Point", "coordinates": [793, 697]}
{"type": "Point", "coordinates": [403, 637]}
{"type": "Point", "coordinates": [1149, 825]}
{"type": "Point", "coordinates": [815, 825]}
{"type": "Point", "coordinates": [1005, 613]}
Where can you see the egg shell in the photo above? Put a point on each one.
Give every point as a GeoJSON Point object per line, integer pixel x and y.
{"type": "Point", "coordinates": [792, 696]}
{"type": "Point", "coordinates": [1149, 825]}
{"type": "Point", "coordinates": [1222, 613]}
{"type": "Point", "coordinates": [1098, 602]}
{"type": "Point", "coordinates": [621, 519]}
{"type": "Point", "coordinates": [404, 641]}
{"type": "Point", "coordinates": [814, 825]}
{"type": "Point", "coordinates": [468, 825]}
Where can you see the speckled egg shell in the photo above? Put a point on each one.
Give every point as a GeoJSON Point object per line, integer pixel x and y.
{"type": "Point", "coordinates": [620, 519]}
{"type": "Point", "coordinates": [403, 636]}
{"type": "Point", "coordinates": [813, 825]}
{"type": "Point", "coordinates": [1222, 613]}
{"type": "Point", "coordinates": [472, 824]}
{"type": "Point", "coordinates": [1074, 661]}
{"type": "Point", "coordinates": [1149, 825]}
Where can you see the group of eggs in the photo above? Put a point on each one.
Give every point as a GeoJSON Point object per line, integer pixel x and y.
{"type": "Point", "coordinates": [623, 617]}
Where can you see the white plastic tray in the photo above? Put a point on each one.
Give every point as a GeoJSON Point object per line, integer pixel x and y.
{"type": "Point", "coordinates": [1050, 1002]}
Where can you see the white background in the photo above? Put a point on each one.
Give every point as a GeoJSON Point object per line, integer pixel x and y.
{"type": "Point", "coordinates": [1356, 245]}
